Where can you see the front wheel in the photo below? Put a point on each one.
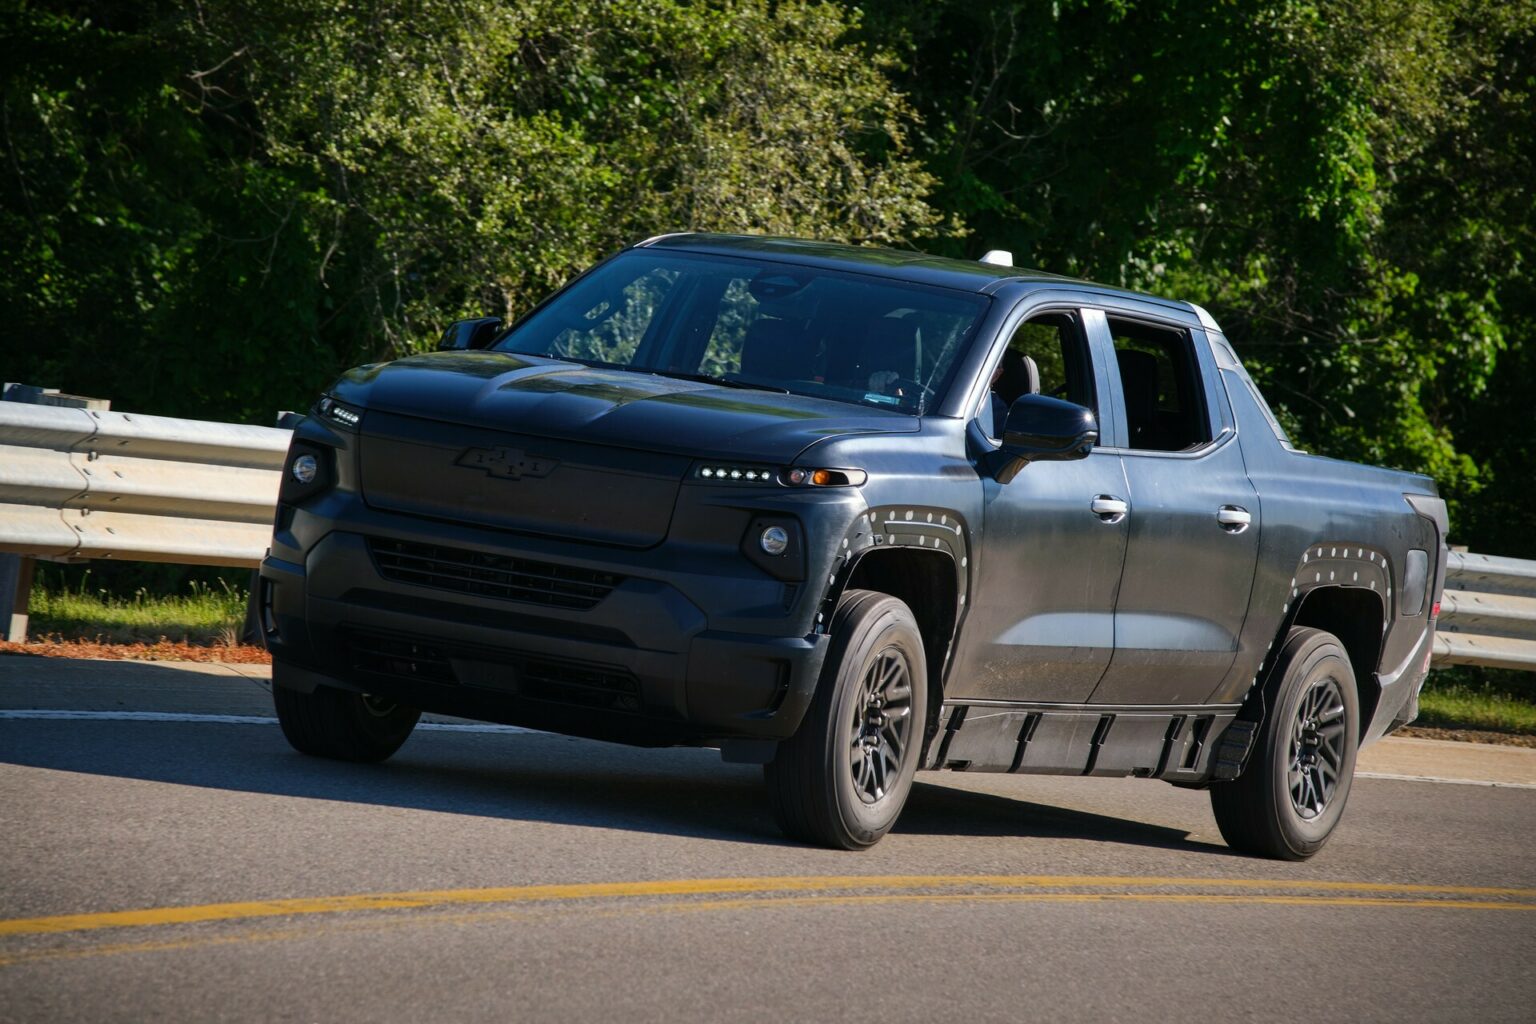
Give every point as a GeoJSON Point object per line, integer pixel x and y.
{"type": "Point", "coordinates": [335, 723]}
{"type": "Point", "coordinates": [1291, 795]}
{"type": "Point", "coordinates": [842, 779]}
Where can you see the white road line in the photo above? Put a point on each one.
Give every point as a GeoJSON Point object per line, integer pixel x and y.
{"type": "Point", "coordinates": [1445, 782]}
{"type": "Point", "coordinates": [42, 715]}
{"type": "Point", "coordinates": [132, 716]}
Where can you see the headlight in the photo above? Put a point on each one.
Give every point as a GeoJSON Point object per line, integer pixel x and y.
{"type": "Point", "coordinates": [800, 477]}
{"type": "Point", "coordinates": [795, 476]}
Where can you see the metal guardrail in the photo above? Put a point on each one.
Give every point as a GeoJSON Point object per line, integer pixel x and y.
{"type": "Point", "coordinates": [1488, 613]}
{"type": "Point", "coordinates": [87, 483]}
{"type": "Point", "coordinates": [79, 483]}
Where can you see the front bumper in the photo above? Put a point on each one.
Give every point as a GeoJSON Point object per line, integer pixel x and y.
{"type": "Point", "coordinates": [642, 665]}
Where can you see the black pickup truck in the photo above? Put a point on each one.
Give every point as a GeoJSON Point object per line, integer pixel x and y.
{"type": "Point", "coordinates": [848, 513]}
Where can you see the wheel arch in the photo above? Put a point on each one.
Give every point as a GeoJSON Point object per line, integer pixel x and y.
{"type": "Point", "coordinates": [1344, 588]}
{"type": "Point", "coordinates": [1356, 618]}
{"type": "Point", "coordinates": [919, 556]}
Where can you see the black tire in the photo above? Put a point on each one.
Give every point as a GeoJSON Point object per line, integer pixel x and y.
{"type": "Point", "coordinates": [842, 779]}
{"type": "Point", "coordinates": [1291, 795]}
{"type": "Point", "coordinates": [343, 725]}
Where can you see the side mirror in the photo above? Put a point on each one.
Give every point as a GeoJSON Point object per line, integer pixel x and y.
{"type": "Point", "coordinates": [466, 334]}
{"type": "Point", "coordinates": [1042, 428]}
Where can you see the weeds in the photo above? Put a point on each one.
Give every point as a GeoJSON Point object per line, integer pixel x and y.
{"type": "Point", "coordinates": [211, 615]}
{"type": "Point", "coordinates": [1470, 706]}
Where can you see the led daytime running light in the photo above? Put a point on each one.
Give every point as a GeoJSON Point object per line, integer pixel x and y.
{"type": "Point", "coordinates": [334, 410]}
{"type": "Point", "coordinates": [793, 477]}
{"type": "Point", "coordinates": [737, 474]}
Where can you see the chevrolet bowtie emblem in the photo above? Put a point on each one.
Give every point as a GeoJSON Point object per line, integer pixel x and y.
{"type": "Point", "coordinates": [507, 463]}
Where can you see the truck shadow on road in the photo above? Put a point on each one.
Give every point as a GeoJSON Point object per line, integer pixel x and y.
{"type": "Point", "coordinates": [533, 777]}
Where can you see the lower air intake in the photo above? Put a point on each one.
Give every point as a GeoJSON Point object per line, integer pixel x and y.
{"type": "Point", "coordinates": [490, 575]}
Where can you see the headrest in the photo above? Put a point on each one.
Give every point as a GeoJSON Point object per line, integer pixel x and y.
{"type": "Point", "coordinates": [1017, 375]}
{"type": "Point", "coordinates": [1031, 377]}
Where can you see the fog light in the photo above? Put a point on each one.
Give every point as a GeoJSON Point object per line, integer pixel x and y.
{"type": "Point", "coordinates": [774, 540]}
{"type": "Point", "coordinates": [304, 469]}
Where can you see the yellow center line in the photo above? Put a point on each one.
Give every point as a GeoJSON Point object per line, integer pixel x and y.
{"type": "Point", "coordinates": [812, 900]}
{"type": "Point", "coordinates": [1244, 899]}
{"type": "Point", "coordinates": [362, 902]}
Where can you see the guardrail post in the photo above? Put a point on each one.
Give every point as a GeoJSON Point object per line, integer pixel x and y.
{"type": "Point", "coordinates": [15, 595]}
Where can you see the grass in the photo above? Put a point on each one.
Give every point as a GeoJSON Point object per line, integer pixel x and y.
{"type": "Point", "coordinates": [204, 614]}
{"type": "Point", "coordinates": [1449, 704]}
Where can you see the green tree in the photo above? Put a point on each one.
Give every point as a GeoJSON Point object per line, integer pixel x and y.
{"type": "Point", "coordinates": [148, 255]}
{"type": "Point", "coordinates": [1270, 160]}
{"type": "Point", "coordinates": [1471, 202]}
{"type": "Point", "coordinates": [212, 205]}
{"type": "Point", "coordinates": [208, 206]}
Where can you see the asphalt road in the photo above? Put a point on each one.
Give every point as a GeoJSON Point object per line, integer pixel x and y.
{"type": "Point", "coordinates": [156, 868]}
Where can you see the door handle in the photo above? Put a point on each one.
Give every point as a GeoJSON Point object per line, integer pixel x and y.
{"type": "Point", "coordinates": [1109, 508]}
{"type": "Point", "coordinates": [1233, 518]}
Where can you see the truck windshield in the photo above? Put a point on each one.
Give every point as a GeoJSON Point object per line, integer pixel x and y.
{"type": "Point", "coordinates": [749, 323]}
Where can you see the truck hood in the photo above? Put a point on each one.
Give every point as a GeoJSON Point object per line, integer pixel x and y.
{"type": "Point", "coordinates": [534, 395]}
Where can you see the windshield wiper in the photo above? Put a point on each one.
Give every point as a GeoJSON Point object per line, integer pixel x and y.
{"type": "Point", "coordinates": [725, 382]}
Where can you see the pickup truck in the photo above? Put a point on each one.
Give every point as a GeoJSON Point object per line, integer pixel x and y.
{"type": "Point", "coordinates": [849, 513]}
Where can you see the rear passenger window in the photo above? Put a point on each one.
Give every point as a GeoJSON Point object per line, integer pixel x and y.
{"type": "Point", "coordinates": [1164, 406]}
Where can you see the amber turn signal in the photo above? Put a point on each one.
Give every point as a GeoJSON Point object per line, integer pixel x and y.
{"type": "Point", "coordinates": [825, 477]}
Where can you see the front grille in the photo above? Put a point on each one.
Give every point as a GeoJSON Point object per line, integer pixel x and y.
{"type": "Point", "coordinates": [533, 676]}
{"type": "Point", "coordinates": [487, 575]}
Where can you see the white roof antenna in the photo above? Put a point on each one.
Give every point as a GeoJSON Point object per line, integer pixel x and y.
{"type": "Point", "coordinates": [998, 258]}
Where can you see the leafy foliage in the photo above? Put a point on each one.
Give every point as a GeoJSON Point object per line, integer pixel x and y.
{"type": "Point", "coordinates": [207, 206]}
{"type": "Point", "coordinates": [1344, 183]}
{"type": "Point", "coordinates": [211, 205]}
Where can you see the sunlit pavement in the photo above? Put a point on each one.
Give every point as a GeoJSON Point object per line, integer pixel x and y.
{"type": "Point", "coordinates": [166, 856]}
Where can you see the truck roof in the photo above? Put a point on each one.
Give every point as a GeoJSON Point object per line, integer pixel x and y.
{"type": "Point", "coordinates": [901, 264]}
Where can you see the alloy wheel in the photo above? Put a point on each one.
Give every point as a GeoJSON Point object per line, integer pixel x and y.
{"type": "Point", "coordinates": [1316, 748]}
{"type": "Point", "coordinates": [882, 725]}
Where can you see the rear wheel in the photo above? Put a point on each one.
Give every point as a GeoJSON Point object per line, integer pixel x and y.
{"type": "Point", "coordinates": [842, 779]}
{"type": "Point", "coordinates": [1291, 795]}
{"type": "Point", "coordinates": [340, 724]}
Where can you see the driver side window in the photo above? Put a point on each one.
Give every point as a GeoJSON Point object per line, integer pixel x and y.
{"type": "Point", "coordinates": [1047, 355]}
